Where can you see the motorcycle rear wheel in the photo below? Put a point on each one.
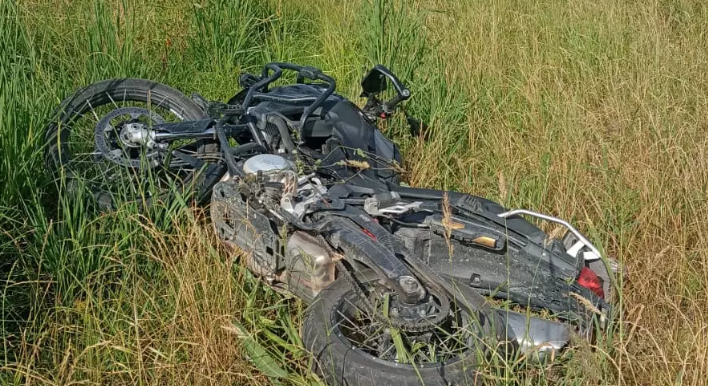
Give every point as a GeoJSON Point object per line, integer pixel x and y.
{"type": "Point", "coordinates": [73, 157]}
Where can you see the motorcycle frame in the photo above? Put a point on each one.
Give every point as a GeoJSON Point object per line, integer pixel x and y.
{"type": "Point", "coordinates": [392, 269]}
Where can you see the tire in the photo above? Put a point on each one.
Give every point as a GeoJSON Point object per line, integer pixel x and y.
{"type": "Point", "coordinates": [340, 364]}
{"type": "Point", "coordinates": [58, 155]}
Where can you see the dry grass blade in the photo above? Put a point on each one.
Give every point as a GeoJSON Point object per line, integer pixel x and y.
{"type": "Point", "coordinates": [362, 165]}
{"type": "Point", "coordinates": [449, 224]}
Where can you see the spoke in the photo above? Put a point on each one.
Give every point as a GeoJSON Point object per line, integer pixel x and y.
{"type": "Point", "coordinates": [112, 101]}
{"type": "Point", "coordinates": [93, 111]}
{"type": "Point", "coordinates": [179, 115]}
{"type": "Point", "coordinates": [389, 349]}
{"type": "Point", "coordinates": [374, 335]}
{"type": "Point", "coordinates": [162, 101]}
{"type": "Point", "coordinates": [358, 328]}
{"type": "Point", "coordinates": [85, 154]}
{"type": "Point", "coordinates": [438, 345]}
{"type": "Point", "coordinates": [448, 350]}
{"type": "Point", "coordinates": [351, 322]}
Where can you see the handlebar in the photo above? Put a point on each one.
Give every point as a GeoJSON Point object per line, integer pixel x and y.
{"type": "Point", "coordinates": [402, 91]}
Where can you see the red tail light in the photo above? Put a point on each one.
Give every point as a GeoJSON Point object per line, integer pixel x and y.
{"type": "Point", "coordinates": [589, 280]}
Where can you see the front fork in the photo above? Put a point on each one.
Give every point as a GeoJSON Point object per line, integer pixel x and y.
{"type": "Point", "coordinates": [368, 243]}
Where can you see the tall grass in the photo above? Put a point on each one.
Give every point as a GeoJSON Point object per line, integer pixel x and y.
{"type": "Point", "coordinates": [104, 298]}
{"type": "Point", "coordinates": [591, 111]}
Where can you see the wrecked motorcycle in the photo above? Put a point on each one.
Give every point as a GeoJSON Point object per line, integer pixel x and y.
{"type": "Point", "coordinates": [400, 281]}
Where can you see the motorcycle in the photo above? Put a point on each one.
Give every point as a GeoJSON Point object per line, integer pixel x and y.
{"type": "Point", "coordinates": [404, 285]}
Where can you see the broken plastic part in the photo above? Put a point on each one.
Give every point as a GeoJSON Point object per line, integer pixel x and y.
{"type": "Point", "coordinates": [538, 338]}
{"type": "Point", "coordinates": [591, 281]}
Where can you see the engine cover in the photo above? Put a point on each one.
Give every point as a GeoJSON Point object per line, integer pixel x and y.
{"type": "Point", "coordinates": [309, 265]}
{"type": "Point", "coordinates": [241, 226]}
{"type": "Point", "coordinates": [267, 163]}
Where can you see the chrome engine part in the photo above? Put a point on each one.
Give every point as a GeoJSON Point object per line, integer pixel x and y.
{"type": "Point", "coordinates": [309, 190]}
{"type": "Point", "coordinates": [309, 265]}
{"type": "Point", "coordinates": [135, 134]}
{"type": "Point", "coordinates": [267, 163]}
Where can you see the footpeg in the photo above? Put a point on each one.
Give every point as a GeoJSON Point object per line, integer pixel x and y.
{"type": "Point", "coordinates": [389, 203]}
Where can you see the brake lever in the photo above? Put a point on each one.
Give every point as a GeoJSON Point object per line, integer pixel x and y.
{"type": "Point", "coordinates": [397, 84]}
{"type": "Point", "coordinates": [402, 92]}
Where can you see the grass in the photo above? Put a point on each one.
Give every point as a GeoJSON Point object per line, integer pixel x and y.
{"type": "Point", "coordinates": [591, 111]}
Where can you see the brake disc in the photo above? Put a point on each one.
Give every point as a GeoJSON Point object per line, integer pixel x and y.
{"type": "Point", "coordinates": [124, 143]}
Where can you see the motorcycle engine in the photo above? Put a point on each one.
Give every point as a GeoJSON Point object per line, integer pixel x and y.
{"type": "Point", "coordinates": [300, 261]}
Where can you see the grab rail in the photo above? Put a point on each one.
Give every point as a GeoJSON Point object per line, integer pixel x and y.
{"type": "Point", "coordinates": [556, 220]}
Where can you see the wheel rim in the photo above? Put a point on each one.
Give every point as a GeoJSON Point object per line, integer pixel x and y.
{"type": "Point", "coordinates": [448, 342]}
{"type": "Point", "coordinates": [81, 139]}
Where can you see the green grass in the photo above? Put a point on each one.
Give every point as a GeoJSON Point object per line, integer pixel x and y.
{"type": "Point", "coordinates": [591, 111]}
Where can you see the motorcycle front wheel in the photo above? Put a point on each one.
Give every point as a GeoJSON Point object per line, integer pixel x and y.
{"type": "Point", "coordinates": [350, 347]}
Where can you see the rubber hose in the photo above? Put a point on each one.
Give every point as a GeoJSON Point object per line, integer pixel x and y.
{"type": "Point", "coordinates": [283, 129]}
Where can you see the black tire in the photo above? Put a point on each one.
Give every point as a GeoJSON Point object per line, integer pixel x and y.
{"type": "Point", "coordinates": [340, 364]}
{"type": "Point", "coordinates": [58, 156]}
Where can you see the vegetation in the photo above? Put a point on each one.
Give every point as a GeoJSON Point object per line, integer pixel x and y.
{"type": "Point", "coordinates": [594, 111]}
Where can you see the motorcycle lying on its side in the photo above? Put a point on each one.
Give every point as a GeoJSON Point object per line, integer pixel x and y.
{"type": "Point", "coordinates": [399, 280]}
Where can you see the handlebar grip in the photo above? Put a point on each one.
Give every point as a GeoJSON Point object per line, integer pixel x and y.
{"type": "Point", "coordinates": [401, 96]}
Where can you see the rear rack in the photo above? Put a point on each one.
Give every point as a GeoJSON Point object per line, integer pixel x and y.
{"type": "Point", "coordinates": [582, 240]}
